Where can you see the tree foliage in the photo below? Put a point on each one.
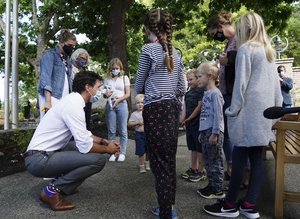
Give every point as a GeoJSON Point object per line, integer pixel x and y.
{"type": "Point", "coordinates": [41, 20]}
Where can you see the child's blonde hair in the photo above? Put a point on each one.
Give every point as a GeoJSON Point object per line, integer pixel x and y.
{"type": "Point", "coordinates": [139, 97]}
{"type": "Point", "coordinates": [192, 71]}
{"type": "Point", "coordinates": [209, 68]}
{"type": "Point", "coordinates": [250, 28]}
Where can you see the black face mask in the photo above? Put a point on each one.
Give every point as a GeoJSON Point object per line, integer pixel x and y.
{"type": "Point", "coordinates": [68, 49]}
{"type": "Point", "coordinates": [219, 35]}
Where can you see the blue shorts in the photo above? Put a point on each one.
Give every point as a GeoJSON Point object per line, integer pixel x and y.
{"type": "Point", "coordinates": [140, 144]}
{"type": "Point", "coordinates": [192, 134]}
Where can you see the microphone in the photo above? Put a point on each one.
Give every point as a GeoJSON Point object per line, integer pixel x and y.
{"type": "Point", "coordinates": [276, 112]}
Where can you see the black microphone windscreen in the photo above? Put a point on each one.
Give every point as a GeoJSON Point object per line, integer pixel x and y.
{"type": "Point", "coordinates": [274, 112]}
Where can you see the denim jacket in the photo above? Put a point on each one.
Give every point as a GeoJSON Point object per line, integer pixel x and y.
{"type": "Point", "coordinates": [52, 73]}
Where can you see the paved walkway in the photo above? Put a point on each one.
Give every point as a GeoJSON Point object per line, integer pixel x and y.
{"type": "Point", "coordinates": [119, 191]}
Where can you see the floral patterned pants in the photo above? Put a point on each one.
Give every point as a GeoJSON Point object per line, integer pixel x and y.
{"type": "Point", "coordinates": [161, 131]}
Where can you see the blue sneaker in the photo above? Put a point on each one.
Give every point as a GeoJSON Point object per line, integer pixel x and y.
{"type": "Point", "coordinates": [155, 211]}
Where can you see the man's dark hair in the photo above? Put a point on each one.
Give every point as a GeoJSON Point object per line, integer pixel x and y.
{"type": "Point", "coordinates": [83, 78]}
{"type": "Point", "coordinates": [279, 67]}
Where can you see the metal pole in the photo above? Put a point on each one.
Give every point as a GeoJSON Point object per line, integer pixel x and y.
{"type": "Point", "coordinates": [15, 78]}
{"type": "Point", "coordinates": [7, 66]}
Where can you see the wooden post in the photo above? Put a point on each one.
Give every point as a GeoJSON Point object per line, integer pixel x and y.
{"type": "Point", "coordinates": [279, 173]}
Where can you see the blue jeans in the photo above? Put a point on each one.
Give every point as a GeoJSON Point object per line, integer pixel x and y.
{"type": "Point", "coordinates": [213, 160]}
{"type": "Point", "coordinates": [117, 117]}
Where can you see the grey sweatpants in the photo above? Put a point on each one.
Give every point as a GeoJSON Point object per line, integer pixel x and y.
{"type": "Point", "coordinates": [69, 165]}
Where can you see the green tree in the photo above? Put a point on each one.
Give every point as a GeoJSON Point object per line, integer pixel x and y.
{"type": "Point", "coordinates": [115, 28]}
{"type": "Point", "coordinates": [292, 33]}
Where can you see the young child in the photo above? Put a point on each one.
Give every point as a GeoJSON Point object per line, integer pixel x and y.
{"type": "Point", "coordinates": [211, 130]}
{"type": "Point", "coordinates": [256, 88]}
{"type": "Point", "coordinates": [193, 107]}
{"type": "Point", "coordinates": [136, 121]}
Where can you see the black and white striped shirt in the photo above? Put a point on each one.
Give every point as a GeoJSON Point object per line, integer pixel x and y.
{"type": "Point", "coordinates": [153, 78]}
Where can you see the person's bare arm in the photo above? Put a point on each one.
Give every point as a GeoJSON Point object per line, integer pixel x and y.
{"type": "Point", "coordinates": [111, 148]}
{"type": "Point", "coordinates": [194, 114]}
{"type": "Point", "coordinates": [132, 124]}
{"type": "Point", "coordinates": [48, 100]}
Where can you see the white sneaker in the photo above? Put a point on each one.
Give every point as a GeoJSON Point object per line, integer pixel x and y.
{"type": "Point", "coordinates": [142, 169]}
{"type": "Point", "coordinates": [121, 158]}
{"type": "Point", "coordinates": [112, 158]}
{"type": "Point", "coordinates": [147, 165]}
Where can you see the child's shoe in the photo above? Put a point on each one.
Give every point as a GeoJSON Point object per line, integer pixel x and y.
{"type": "Point", "coordinates": [209, 193]}
{"type": "Point", "coordinates": [249, 210]}
{"type": "Point", "coordinates": [147, 165]}
{"type": "Point", "coordinates": [187, 173]}
{"type": "Point", "coordinates": [220, 209]}
{"type": "Point", "coordinates": [197, 176]}
{"type": "Point", "coordinates": [142, 169]}
{"type": "Point", "coordinates": [155, 211]}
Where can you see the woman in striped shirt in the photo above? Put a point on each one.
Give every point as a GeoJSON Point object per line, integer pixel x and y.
{"type": "Point", "coordinates": [160, 78]}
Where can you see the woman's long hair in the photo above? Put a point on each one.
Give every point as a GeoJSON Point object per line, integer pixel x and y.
{"type": "Point", "coordinates": [250, 28]}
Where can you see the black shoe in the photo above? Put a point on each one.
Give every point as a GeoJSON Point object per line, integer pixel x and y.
{"type": "Point", "coordinates": [199, 191]}
{"type": "Point", "coordinates": [250, 213]}
{"type": "Point", "coordinates": [221, 210]}
{"type": "Point", "coordinates": [209, 193]}
{"type": "Point", "coordinates": [187, 173]}
{"type": "Point", "coordinates": [197, 176]}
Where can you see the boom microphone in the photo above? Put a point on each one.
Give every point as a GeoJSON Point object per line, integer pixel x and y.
{"type": "Point", "coordinates": [276, 112]}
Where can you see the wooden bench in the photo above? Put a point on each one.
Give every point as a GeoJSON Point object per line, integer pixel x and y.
{"type": "Point", "coordinates": [286, 149]}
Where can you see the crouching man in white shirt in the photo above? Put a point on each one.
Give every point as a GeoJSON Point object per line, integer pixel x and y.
{"type": "Point", "coordinates": [51, 154]}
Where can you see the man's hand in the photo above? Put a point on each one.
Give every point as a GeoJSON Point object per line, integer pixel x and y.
{"type": "Point", "coordinates": [104, 141]}
{"type": "Point", "coordinates": [113, 147]}
{"type": "Point", "coordinates": [213, 139]}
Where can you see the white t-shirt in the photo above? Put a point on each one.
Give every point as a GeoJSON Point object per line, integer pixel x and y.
{"type": "Point", "coordinates": [118, 85]}
{"type": "Point", "coordinates": [60, 123]}
{"type": "Point", "coordinates": [137, 116]}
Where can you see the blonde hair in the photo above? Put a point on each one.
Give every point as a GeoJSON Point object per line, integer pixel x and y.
{"type": "Point", "coordinates": [250, 28]}
{"type": "Point", "coordinates": [139, 97]}
{"type": "Point", "coordinates": [192, 71]}
{"type": "Point", "coordinates": [209, 68]}
{"type": "Point", "coordinates": [115, 61]}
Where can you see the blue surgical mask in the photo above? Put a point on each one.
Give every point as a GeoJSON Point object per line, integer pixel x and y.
{"type": "Point", "coordinates": [115, 72]}
{"type": "Point", "coordinates": [80, 62]}
{"type": "Point", "coordinates": [281, 74]}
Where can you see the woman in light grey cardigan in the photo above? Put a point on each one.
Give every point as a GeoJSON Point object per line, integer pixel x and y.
{"type": "Point", "coordinates": [256, 88]}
